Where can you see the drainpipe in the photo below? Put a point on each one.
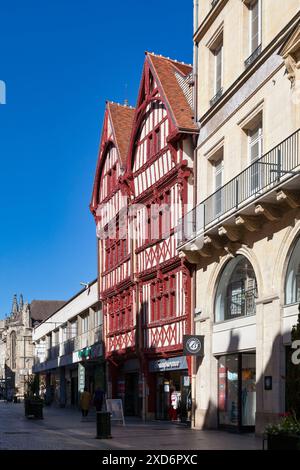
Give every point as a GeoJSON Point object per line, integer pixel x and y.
{"type": "Point", "coordinates": [194, 292]}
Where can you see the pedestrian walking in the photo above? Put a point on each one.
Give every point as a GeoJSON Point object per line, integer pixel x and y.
{"type": "Point", "coordinates": [98, 399]}
{"type": "Point", "coordinates": [85, 401]}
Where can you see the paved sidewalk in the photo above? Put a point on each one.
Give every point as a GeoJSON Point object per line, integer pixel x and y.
{"type": "Point", "coordinates": [62, 429]}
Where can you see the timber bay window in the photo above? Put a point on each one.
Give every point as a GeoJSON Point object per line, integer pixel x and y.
{"type": "Point", "coordinates": [255, 142]}
{"type": "Point", "coordinates": [255, 30]}
{"type": "Point", "coordinates": [163, 298]}
{"type": "Point", "coordinates": [237, 291]}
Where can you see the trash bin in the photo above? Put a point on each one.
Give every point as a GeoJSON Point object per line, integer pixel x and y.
{"type": "Point", "coordinates": [103, 425]}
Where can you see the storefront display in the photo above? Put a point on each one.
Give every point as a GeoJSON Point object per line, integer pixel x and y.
{"type": "Point", "coordinates": [172, 388]}
{"type": "Point", "coordinates": [237, 391]}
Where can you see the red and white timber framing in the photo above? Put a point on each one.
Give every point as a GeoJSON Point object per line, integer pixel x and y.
{"type": "Point", "coordinates": [145, 287]}
{"type": "Point", "coordinates": [115, 274]}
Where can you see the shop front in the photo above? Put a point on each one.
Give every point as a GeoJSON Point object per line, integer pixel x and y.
{"type": "Point", "coordinates": [91, 370]}
{"type": "Point", "coordinates": [129, 387]}
{"type": "Point", "coordinates": [237, 391]}
{"type": "Point", "coordinates": [172, 387]}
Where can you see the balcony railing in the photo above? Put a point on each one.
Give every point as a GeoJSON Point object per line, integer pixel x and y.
{"type": "Point", "coordinates": [71, 345]}
{"type": "Point", "coordinates": [253, 56]}
{"type": "Point", "coordinates": [216, 97]}
{"type": "Point", "coordinates": [276, 166]}
{"type": "Point", "coordinates": [53, 352]}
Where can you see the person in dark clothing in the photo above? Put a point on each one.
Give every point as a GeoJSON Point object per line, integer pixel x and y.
{"type": "Point", "coordinates": [98, 399]}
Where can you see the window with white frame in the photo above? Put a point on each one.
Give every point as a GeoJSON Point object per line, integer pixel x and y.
{"type": "Point", "coordinates": [218, 182]}
{"type": "Point", "coordinates": [255, 139]}
{"type": "Point", "coordinates": [98, 317]}
{"type": "Point", "coordinates": [64, 333]}
{"type": "Point", "coordinates": [218, 53]}
{"type": "Point", "coordinates": [254, 25]}
{"type": "Point", "coordinates": [85, 324]}
{"type": "Point", "coordinates": [73, 329]}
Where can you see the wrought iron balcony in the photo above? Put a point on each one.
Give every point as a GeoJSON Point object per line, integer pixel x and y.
{"type": "Point", "coordinates": [216, 97]}
{"type": "Point", "coordinates": [241, 304]}
{"type": "Point", "coordinates": [275, 167]}
{"type": "Point", "coordinates": [253, 56]}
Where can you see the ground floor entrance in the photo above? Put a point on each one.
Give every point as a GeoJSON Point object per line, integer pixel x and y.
{"type": "Point", "coordinates": [172, 388]}
{"type": "Point", "coordinates": [237, 391]}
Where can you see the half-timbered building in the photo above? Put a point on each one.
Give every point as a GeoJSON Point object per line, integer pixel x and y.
{"type": "Point", "coordinates": [159, 166]}
{"type": "Point", "coordinates": [145, 171]}
{"type": "Point", "coordinates": [116, 281]}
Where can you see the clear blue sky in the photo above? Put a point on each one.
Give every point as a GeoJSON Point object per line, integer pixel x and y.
{"type": "Point", "coordinates": [61, 59]}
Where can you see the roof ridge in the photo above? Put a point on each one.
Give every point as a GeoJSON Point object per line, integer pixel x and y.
{"type": "Point", "coordinates": [160, 56]}
{"type": "Point", "coordinates": [126, 106]}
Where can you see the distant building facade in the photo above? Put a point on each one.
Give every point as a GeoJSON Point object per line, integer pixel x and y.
{"type": "Point", "coordinates": [68, 349]}
{"type": "Point", "coordinates": [16, 348]}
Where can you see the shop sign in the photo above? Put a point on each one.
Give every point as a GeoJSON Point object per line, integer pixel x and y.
{"type": "Point", "coordinates": [163, 365]}
{"type": "Point", "coordinates": [81, 378]}
{"type": "Point", "coordinates": [92, 352]}
{"type": "Point", "coordinates": [193, 345]}
{"type": "Point", "coordinates": [84, 353]}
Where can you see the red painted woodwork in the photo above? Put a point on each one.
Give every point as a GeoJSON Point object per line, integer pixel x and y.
{"type": "Point", "coordinates": [144, 286]}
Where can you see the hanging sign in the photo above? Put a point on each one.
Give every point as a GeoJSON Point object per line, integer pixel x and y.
{"type": "Point", "coordinates": [193, 345]}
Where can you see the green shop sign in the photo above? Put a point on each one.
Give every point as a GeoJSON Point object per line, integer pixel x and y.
{"type": "Point", "coordinates": [85, 353]}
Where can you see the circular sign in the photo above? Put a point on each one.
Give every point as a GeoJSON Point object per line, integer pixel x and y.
{"type": "Point", "coordinates": [193, 345]}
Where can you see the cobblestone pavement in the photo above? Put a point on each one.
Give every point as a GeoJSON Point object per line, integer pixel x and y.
{"type": "Point", "coordinates": [62, 429]}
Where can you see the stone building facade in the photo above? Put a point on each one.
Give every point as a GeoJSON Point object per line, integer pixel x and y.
{"type": "Point", "coordinates": [243, 234]}
{"type": "Point", "coordinates": [16, 348]}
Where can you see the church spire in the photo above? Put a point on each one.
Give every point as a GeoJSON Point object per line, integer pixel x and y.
{"type": "Point", "coordinates": [14, 305]}
{"type": "Point", "coordinates": [21, 303]}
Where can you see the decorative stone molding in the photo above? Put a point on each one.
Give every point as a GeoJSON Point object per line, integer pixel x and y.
{"type": "Point", "coordinates": [290, 53]}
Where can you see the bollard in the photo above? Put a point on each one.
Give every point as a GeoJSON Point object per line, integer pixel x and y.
{"type": "Point", "coordinates": [103, 425]}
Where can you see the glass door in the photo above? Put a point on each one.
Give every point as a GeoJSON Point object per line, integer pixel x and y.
{"type": "Point", "coordinates": [228, 390]}
{"type": "Point", "coordinates": [248, 398]}
{"type": "Point", "coordinates": [237, 391]}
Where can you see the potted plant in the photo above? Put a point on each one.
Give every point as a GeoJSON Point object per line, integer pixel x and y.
{"type": "Point", "coordinates": [32, 402]}
{"type": "Point", "coordinates": [284, 435]}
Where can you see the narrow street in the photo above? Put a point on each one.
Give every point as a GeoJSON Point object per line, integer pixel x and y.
{"type": "Point", "coordinates": [62, 429]}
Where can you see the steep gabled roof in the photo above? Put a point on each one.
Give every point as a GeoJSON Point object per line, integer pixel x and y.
{"type": "Point", "coordinates": [121, 121]}
{"type": "Point", "coordinates": [42, 309]}
{"type": "Point", "coordinates": [173, 78]}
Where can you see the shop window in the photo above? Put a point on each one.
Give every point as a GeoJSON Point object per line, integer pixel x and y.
{"type": "Point", "coordinates": [85, 324]}
{"type": "Point", "coordinates": [292, 283]}
{"type": "Point", "coordinates": [237, 291]}
{"type": "Point", "coordinates": [237, 390]}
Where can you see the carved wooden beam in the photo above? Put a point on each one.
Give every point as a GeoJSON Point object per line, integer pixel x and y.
{"type": "Point", "coordinates": [231, 232]}
{"type": "Point", "coordinates": [292, 198]}
{"type": "Point", "coordinates": [213, 241]}
{"type": "Point", "coordinates": [250, 222]}
{"type": "Point", "coordinates": [270, 211]}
